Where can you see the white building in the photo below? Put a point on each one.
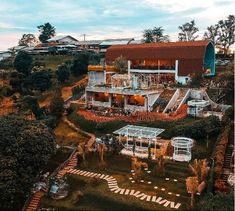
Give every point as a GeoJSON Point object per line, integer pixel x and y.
{"type": "Point", "coordinates": [5, 54]}
{"type": "Point", "coordinates": [64, 39]}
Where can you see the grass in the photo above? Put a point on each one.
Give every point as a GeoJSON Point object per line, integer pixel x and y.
{"type": "Point", "coordinates": [55, 160]}
{"type": "Point", "coordinates": [97, 196]}
{"type": "Point", "coordinates": [51, 61]}
{"type": "Point", "coordinates": [65, 135]}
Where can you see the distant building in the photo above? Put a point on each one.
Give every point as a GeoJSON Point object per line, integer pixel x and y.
{"type": "Point", "coordinates": [64, 40]}
{"type": "Point", "coordinates": [5, 54]}
{"type": "Point", "coordinates": [92, 45]}
{"type": "Point", "coordinates": [113, 42]}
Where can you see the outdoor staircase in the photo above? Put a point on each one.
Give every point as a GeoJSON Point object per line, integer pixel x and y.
{"type": "Point", "coordinates": [163, 99]}
{"type": "Point", "coordinates": [33, 205]}
{"type": "Point", "coordinates": [180, 98]}
{"type": "Point", "coordinates": [228, 157]}
{"type": "Point", "coordinates": [71, 164]}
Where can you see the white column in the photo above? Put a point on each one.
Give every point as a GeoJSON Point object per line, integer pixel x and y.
{"type": "Point", "coordinates": [127, 142]}
{"type": "Point", "coordinates": [110, 100]}
{"type": "Point", "coordinates": [155, 147]}
{"type": "Point", "coordinates": [146, 103]}
{"type": "Point", "coordinates": [125, 101]}
{"type": "Point", "coordinates": [176, 69]}
{"type": "Point", "coordinates": [128, 66]}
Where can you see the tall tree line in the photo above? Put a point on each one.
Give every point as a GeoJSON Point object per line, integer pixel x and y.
{"type": "Point", "coordinates": [221, 34]}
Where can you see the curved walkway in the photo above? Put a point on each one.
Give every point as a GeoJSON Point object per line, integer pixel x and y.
{"type": "Point", "coordinates": [113, 187]}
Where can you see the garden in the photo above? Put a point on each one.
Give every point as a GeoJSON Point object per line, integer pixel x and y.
{"type": "Point", "coordinates": [96, 194]}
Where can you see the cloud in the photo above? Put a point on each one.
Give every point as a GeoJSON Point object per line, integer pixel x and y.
{"type": "Point", "coordinates": [7, 26]}
{"type": "Point", "coordinates": [215, 13]}
{"type": "Point", "coordinates": [173, 6]}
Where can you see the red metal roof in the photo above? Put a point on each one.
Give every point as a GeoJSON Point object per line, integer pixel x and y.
{"type": "Point", "coordinates": [190, 54]}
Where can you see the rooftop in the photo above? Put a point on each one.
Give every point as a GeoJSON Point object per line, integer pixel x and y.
{"type": "Point", "coordinates": [60, 37]}
{"type": "Point", "coordinates": [123, 41]}
{"type": "Point", "coordinates": [139, 131]}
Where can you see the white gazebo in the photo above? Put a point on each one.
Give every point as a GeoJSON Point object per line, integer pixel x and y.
{"type": "Point", "coordinates": [137, 136]}
{"type": "Point", "coordinates": [182, 148]}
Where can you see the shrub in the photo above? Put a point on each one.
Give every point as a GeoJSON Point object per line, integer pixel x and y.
{"type": "Point", "coordinates": [23, 62]}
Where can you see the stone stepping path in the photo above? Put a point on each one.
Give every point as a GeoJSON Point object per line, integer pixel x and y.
{"type": "Point", "coordinates": [113, 187]}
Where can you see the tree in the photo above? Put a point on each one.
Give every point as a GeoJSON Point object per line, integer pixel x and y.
{"type": "Point", "coordinates": [216, 202]}
{"type": "Point", "coordinates": [188, 31]}
{"type": "Point", "coordinates": [46, 32]}
{"type": "Point", "coordinates": [200, 169]}
{"type": "Point", "coordinates": [101, 150]}
{"type": "Point", "coordinates": [63, 73]}
{"type": "Point", "coordinates": [226, 33]}
{"type": "Point", "coordinates": [25, 147]}
{"type": "Point", "coordinates": [30, 103]}
{"type": "Point", "coordinates": [120, 64]}
{"type": "Point", "coordinates": [192, 185]}
{"type": "Point", "coordinates": [160, 163]}
{"type": "Point", "coordinates": [80, 64]}
{"type": "Point", "coordinates": [28, 40]}
{"type": "Point", "coordinates": [212, 34]}
{"type": "Point", "coordinates": [57, 105]}
{"type": "Point", "coordinates": [155, 35]}
{"type": "Point", "coordinates": [137, 166]}
{"type": "Point", "coordinates": [40, 80]}
{"type": "Point", "coordinates": [23, 62]}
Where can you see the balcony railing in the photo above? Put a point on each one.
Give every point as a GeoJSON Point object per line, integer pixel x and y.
{"type": "Point", "coordinates": [162, 67]}
{"type": "Point", "coordinates": [96, 68]}
{"type": "Point", "coordinates": [101, 68]}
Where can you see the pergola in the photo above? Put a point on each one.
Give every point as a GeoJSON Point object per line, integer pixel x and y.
{"type": "Point", "coordinates": [140, 134]}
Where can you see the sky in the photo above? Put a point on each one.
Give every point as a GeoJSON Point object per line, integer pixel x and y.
{"type": "Point", "coordinates": [104, 19]}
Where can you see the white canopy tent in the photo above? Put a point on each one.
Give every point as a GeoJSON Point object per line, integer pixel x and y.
{"type": "Point", "coordinates": [140, 134]}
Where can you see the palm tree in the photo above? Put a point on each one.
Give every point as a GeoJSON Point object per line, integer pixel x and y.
{"type": "Point", "coordinates": [101, 149]}
{"type": "Point", "coordinates": [82, 150]}
{"type": "Point", "coordinates": [199, 169]}
{"type": "Point", "coordinates": [160, 162]}
{"type": "Point", "coordinates": [192, 185]}
{"type": "Point", "coordinates": [137, 166]}
{"type": "Point", "coordinates": [155, 35]}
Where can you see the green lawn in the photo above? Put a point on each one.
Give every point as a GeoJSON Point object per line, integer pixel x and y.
{"type": "Point", "coordinates": [97, 196]}
{"type": "Point", "coordinates": [55, 160]}
{"type": "Point", "coordinates": [65, 135]}
{"type": "Point", "coordinates": [51, 61]}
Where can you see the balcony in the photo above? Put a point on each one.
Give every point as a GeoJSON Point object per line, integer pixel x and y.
{"type": "Point", "coordinates": [152, 69]}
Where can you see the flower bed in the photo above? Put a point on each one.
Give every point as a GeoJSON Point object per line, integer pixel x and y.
{"type": "Point", "coordinates": [137, 116]}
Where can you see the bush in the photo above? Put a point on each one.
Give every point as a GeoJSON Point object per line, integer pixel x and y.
{"type": "Point", "coordinates": [198, 129]}
{"type": "Point", "coordinates": [62, 73]}
{"type": "Point", "coordinates": [196, 80]}
{"type": "Point", "coordinates": [40, 80]}
{"type": "Point", "coordinates": [6, 64]}
{"type": "Point", "coordinates": [23, 62]}
{"type": "Point", "coordinates": [6, 91]}
{"type": "Point", "coordinates": [220, 150]}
